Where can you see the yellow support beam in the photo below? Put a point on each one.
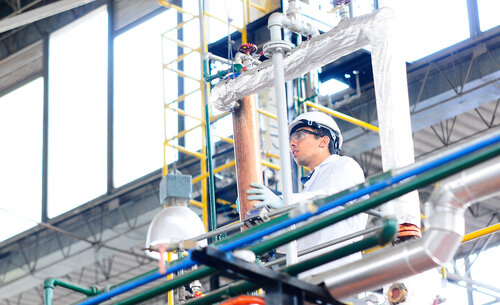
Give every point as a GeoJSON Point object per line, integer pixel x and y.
{"type": "Point", "coordinates": [182, 97]}
{"type": "Point", "coordinates": [184, 150]}
{"type": "Point", "coordinates": [481, 233]}
{"type": "Point", "coordinates": [184, 113]}
{"type": "Point", "coordinates": [183, 133]}
{"type": "Point", "coordinates": [182, 44]}
{"type": "Point", "coordinates": [218, 117]}
{"type": "Point", "coordinates": [223, 21]}
{"type": "Point", "coordinates": [272, 155]}
{"type": "Point", "coordinates": [259, 8]}
{"type": "Point", "coordinates": [216, 170]}
{"type": "Point", "coordinates": [181, 73]}
{"type": "Point", "coordinates": [343, 116]}
{"type": "Point", "coordinates": [181, 57]}
{"type": "Point", "coordinates": [177, 8]}
{"type": "Point", "coordinates": [268, 114]}
{"type": "Point", "coordinates": [181, 24]}
{"type": "Point", "coordinates": [271, 165]}
{"type": "Point", "coordinates": [225, 139]}
{"type": "Point", "coordinates": [196, 203]}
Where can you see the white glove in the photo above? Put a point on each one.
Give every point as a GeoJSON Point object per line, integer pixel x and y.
{"type": "Point", "coordinates": [265, 195]}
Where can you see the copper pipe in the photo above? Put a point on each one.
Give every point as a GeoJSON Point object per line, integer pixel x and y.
{"type": "Point", "coordinates": [246, 150]}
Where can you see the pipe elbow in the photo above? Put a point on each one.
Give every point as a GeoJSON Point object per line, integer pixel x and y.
{"type": "Point", "coordinates": [276, 19]}
{"type": "Point", "coordinates": [49, 283]}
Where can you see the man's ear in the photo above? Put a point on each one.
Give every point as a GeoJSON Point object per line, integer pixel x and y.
{"type": "Point", "coordinates": [325, 140]}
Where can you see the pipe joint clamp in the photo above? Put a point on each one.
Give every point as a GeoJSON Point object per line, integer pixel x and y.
{"type": "Point", "coordinates": [272, 47]}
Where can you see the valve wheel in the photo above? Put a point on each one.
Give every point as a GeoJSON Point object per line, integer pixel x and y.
{"type": "Point", "coordinates": [248, 48]}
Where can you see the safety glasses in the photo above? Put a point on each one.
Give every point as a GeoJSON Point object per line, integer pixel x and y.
{"type": "Point", "coordinates": [301, 134]}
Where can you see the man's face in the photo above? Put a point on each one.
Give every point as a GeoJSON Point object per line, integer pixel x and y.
{"type": "Point", "coordinates": [305, 147]}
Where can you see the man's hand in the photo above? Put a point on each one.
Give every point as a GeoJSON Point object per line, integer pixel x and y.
{"type": "Point", "coordinates": [265, 195]}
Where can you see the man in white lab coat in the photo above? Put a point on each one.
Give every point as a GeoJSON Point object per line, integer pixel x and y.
{"type": "Point", "coordinates": [315, 142]}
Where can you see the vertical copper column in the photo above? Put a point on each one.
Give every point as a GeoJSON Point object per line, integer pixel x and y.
{"type": "Point", "coordinates": [246, 150]}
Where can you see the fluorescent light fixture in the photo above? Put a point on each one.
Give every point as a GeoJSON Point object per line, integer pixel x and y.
{"type": "Point", "coordinates": [332, 86]}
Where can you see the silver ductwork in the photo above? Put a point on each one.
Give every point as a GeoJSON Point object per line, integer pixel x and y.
{"type": "Point", "coordinates": [445, 227]}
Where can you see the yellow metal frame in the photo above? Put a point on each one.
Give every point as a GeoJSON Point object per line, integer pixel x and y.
{"type": "Point", "coordinates": [171, 105]}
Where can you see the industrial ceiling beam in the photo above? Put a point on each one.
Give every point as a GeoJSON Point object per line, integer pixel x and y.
{"type": "Point", "coordinates": [43, 12]}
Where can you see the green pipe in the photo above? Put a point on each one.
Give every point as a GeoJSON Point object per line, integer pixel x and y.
{"type": "Point", "coordinates": [385, 235]}
{"type": "Point", "coordinates": [381, 197]}
{"type": "Point", "coordinates": [50, 283]}
{"type": "Point", "coordinates": [376, 200]}
{"type": "Point", "coordinates": [172, 284]}
{"type": "Point", "coordinates": [382, 237]}
{"type": "Point", "coordinates": [269, 223]}
{"type": "Point", "coordinates": [211, 187]}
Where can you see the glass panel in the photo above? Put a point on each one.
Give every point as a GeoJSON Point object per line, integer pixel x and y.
{"type": "Point", "coordinates": [489, 11]}
{"type": "Point", "coordinates": [139, 119]}
{"type": "Point", "coordinates": [21, 132]}
{"type": "Point", "coordinates": [223, 11]}
{"type": "Point", "coordinates": [481, 272]}
{"type": "Point", "coordinates": [428, 29]}
{"type": "Point", "coordinates": [77, 113]}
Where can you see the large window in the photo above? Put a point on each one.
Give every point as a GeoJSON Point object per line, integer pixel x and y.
{"type": "Point", "coordinates": [21, 115]}
{"type": "Point", "coordinates": [77, 113]}
{"type": "Point", "coordinates": [139, 119]}
{"type": "Point", "coordinates": [427, 29]}
{"type": "Point", "coordinates": [488, 14]}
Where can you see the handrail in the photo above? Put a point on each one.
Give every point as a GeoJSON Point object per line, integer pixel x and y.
{"type": "Point", "coordinates": [481, 233]}
{"type": "Point", "coordinates": [343, 116]}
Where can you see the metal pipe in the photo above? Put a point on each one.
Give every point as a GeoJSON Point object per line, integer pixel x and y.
{"type": "Point", "coordinates": [286, 173]}
{"type": "Point", "coordinates": [211, 212]}
{"type": "Point", "coordinates": [328, 244]}
{"type": "Point", "coordinates": [432, 172]}
{"type": "Point", "coordinates": [441, 239]}
{"type": "Point", "coordinates": [382, 237]}
{"type": "Point", "coordinates": [246, 150]}
{"type": "Point", "coordinates": [50, 283]}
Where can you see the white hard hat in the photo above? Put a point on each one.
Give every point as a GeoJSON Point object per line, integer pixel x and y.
{"type": "Point", "coordinates": [317, 119]}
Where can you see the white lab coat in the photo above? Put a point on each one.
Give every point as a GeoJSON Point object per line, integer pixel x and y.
{"type": "Point", "coordinates": [336, 173]}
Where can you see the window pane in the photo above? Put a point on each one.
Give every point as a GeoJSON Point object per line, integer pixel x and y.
{"type": "Point", "coordinates": [488, 14]}
{"type": "Point", "coordinates": [77, 113]}
{"type": "Point", "coordinates": [21, 115]}
{"type": "Point", "coordinates": [427, 30]}
{"type": "Point", "coordinates": [139, 118]}
{"type": "Point", "coordinates": [223, 10]}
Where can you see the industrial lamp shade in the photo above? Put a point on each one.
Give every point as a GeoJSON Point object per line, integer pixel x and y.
{"type": "Point", "coordinates": [172, 225]}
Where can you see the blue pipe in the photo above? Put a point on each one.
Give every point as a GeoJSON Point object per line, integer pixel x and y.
{"type": "Point", "coordinates": [188, 262]}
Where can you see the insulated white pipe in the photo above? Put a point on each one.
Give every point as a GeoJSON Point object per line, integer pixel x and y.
{"type": "Point", "coordinates": [376, 30]}
{"type": "Point", "coordinates": [393, 112]}
{"type": "Point", "coordinates": [445, 229]}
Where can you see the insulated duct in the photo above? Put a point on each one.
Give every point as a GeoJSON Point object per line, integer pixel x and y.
{"type": "Point", "coordinates": [444, 231]}
{"type": "Point", "coordinates": [377, 30]}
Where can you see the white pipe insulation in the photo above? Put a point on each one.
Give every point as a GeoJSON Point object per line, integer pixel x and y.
{"type": "Point", "coordinates": [377, 31]}
{"type": "Point", "coordinates": [445, 227]}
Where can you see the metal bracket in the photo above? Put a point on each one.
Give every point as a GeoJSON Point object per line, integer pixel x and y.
{"type": "Point", "coordinates": [272, 282]}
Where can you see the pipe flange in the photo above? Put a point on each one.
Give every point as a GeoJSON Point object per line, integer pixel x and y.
{"type": "Point", "coordinates": [397, 293]}
{"type": "Point", "coordinates": [272, 47]}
